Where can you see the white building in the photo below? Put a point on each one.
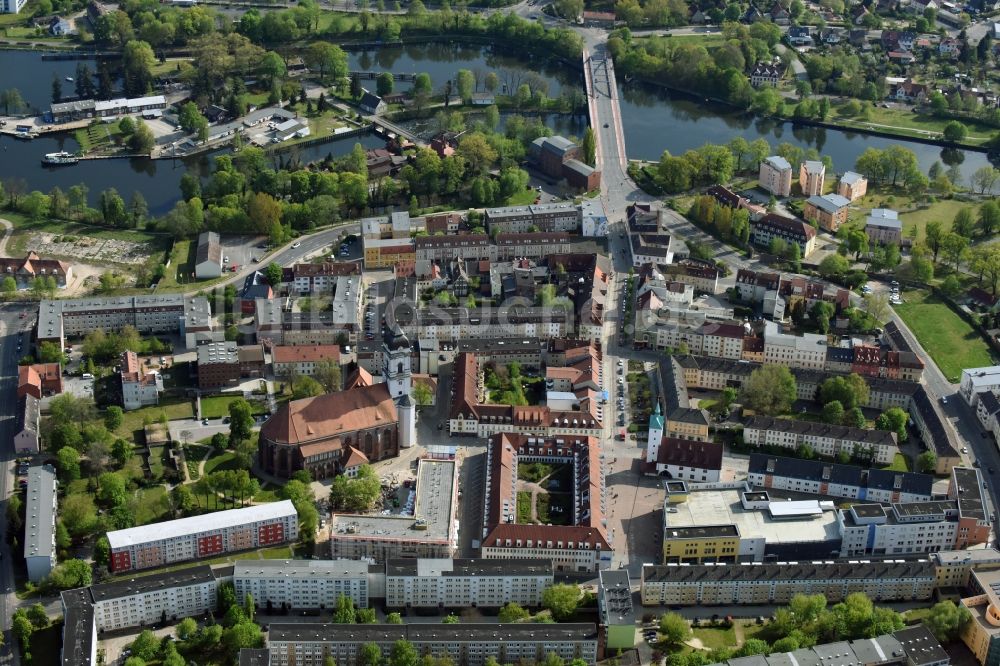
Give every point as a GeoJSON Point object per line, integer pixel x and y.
{"type": "Point", "coordinates": [824, 438]}
{"type": "Point", "coordinates": [775, 176]}
{"type": "Point", "coordinates": [977, 380]}
{"type": "Point", "coordinates": [40, 522]}
{"type": "Point", "coordinates": [203, 536]}
{"type": "Point", "coordinates": [922, 527]}
{"type": "Point", "coordinates": [595, 218]}
{"type": "Point", "coordinates": [685, 459]}
{"type": "Point", "coordinates": [208, 257]}
{"type": "Point", "coordinates": [148, 600]}
{"type": "Point", "coordinates": [466, 583]}
{"type": "Point", "coordinates": [11, 6]}
{"type": "Point", "coordinates": [138, 388]}
{"type": "Point", "coordinates": [294, 584]}
{"type": "Point", "coordinates": [806, 351]}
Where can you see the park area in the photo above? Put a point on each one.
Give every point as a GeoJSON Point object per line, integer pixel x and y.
{"type": "Point", "coordinates": [950, 340]}
{"type": "Point", "coordinates": [545, 494]}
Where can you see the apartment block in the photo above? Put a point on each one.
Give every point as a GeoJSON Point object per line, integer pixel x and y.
{"type": "Point", "coordinates": [775, 176]}
{"type": "Point", "coordinates": [825, 439]}
{"type": "Point", "coordinates": [302, 360]}
{"type": "Point", "coordinates": [953, 568]}
{"type": "Point", "coordinates": [884, 227]}
{"type": "Point", "coordinates": [27, 433]}
{"type": "Point", "coordinates": [149, 600]}
{"type": "Point", "coordinates": [614, 603]}
{"type": "Point", "coordinates": [463, 644]}
{"type": "Point", "coordinates": [812, 174]}
{"type": "Point", "coordinates": [542, 217]}
{"type": "Point", "coordinates": [829, 211]}
{"type": "Point", "coordinates": [982, 633]}
{"type": "Point", "coordinates": [309, 278]}
{"type": "Point", "coordinates": [852, 186]}
{"type": "Point", "coordinates": [203, 536]}
{"type": "Point", "coordinates": [786, 229]}
{"type": "Point", "coordinates": [302, 584]}
{"type": "Point", "coordinates": [40, 522]}
{"type": "Point", "coordinates": [778, 582]}
{"type": "Point", "coordinates": [466, 583]}
{"type": "Point", "coordinates": [795, 351]}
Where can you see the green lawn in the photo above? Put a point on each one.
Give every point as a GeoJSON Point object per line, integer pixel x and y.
{"type": "Point", "coordinates": [900, 463]}
{"type": "Point", "coordinates": [522, 198]}
{"type": "Point", "coordinates": [221, 463]}
{"type": "Point", "coordinates": [217, 406]}
{"type": "Point", "coordinates": [193, 455]}
{"type": "Point", "coordinates": [912, 212]}
{"type": "Point", "coordinates": [533, 472]}
{"type": "Point", "coordinates": [919, 124]}
{"type": "Point", "coordinates": [714, 638]}
{"type": "Point", "coordinates": [268, 493]}
{"type": "Point", "coordinates": [182, 256]}
{"type": "Point", "coordinates": [951, 342]}
{"type": "Point", "coordinates": [153, 505]}
{"type": "Point", "coordinates": [17, 245]}
{"type": "Point", "coordinates": [174, 408]}
{"type": "Point", "coordinates": [523, 507]}
{"type": "Point", "coordinates": [156, 454]}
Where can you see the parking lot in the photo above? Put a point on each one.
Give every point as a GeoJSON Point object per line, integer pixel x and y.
{"type": "Point", "coordinates": [238, 251]}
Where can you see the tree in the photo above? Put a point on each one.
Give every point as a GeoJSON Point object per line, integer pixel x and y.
{"type": "Point", "coordinates": [142, 140]}
{"type": "Point", "coordinates": [769, 390]}
{"type": "Point", "coordinates": [951, 286]}
{"type": "Point", "coordinates": [833, 412]}
{"type": "Point", "coordinates": [68, 460]}
{"type": "Point", "coordinates": [984, 178]}
{"type": "Point", "coordinates": [37, 616]}
{"type": "Point", "coordinates": [384, 84]}
{"type": "Point", "coordinates": [22, 628]}
{"type": "Point", "coordinates": [70, 574]}
{"type": "Point", "coordinates": [927, 462]}
{"type": "Point", "coordinates": [954, 131]}
{"type": "Point", "coordinates": [394, 618]}
{"type": "Point", "coordinates": [264, 212]}
{"type": "Point", "coordinates": [854, 418]}
{"type": "Point", "coordinates": [146, 645]}
{"type": "Point", "coordinates": [305, 387]}
{"type": "Point", "coordinates": [833, 265]}
{"type": "Point", "coordinates": [589, 147]}
{"type": "Point", "coordinates": [370, 654]}
{"type": "Point", "coordinates": [137, 68]}
{"type": "Point", "coordinates": [9, 285]}
{"type": "Point", "coordinates": [450, 618]}
{"type": "Point", "coordinates": [274, 274]}
{"type": "Point", "coordinates": [329, 374]}
{"type": "Point", "coordinates": [512, 612]}
{"type": "Point", "coordinates": [329, 59]}
{"type": "Point", "coordinates": [422, 394]}
{"type": "Point", "coordinates": [946, 620]}
{"type": "Point", "coordinates": [11, 98]}
{"type": "Point", "coordinates": [191, 119]}
{"type": "Point", "coordinates": [675, 629]}
{"type": "Point", "coordinates": [955, 248]}
{"type": "Point", "coordinates": [113, 417]}
{"type": "Point", "coordinates": [851, 391]}
{"type": "Point", "coordinates": [877, 306]}
{"type": "Point", "coordinates": [403, 653]}
{"type": "Point", "coordinates": [240, 420]}
{"type": "Point", "coordinates": [989, 217]}
{"type": "Point", "coordinates": [963, 224]}
{"type": "Point", "coordinates": [272, 69]}
{"type": "Point", "coordinates": [894, 420]}
{"type": "Point", "coordinates": [56, 88]}
{"type": "Point", "coordinates": [934, 234]}
{"type": "Point", "coordinates": [562, 600]}
{"type": "Point", "coordinates": [821, 312]}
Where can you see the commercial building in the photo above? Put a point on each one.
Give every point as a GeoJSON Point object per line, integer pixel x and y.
{"type": "Point", "coordinates": [884, 227]}
{"type": "Point", "coordinates": [26, 428]}
{"type": "Point", "coordinates": [40, 522]}
{"type": "Point", "coordinates": [776, 176]}
{"type": "Point", "coordinates": [614, 603]}
{"type": "Point", "coordinates": [829, 211]}
{"type": "Point", "coordinates": [953, 568]}
{"type": "Point", "coordinates": [778, 582]}
{"type": "Point", "coordinates": [208, 256]}
{"type": "Point", "coordinates": [88, 108]}
{"type": "Point", "coordinates": [852, 186]}
{"type": "Point", "coordinates": [24, 271]}
{"type": "Point", "coordinates": [686, 459]}
{"type": "Point", "coordinates": [138, 387]}
{"type": "Point", "coordinates": [463, 644]}
{"type": "Point", "coordinates": [559, 158]}
{"type": "Point", "coordinates": [431, 531]}
{"type": "Point", "coordinates": [583, 545]}
{"type": "Point", "coordinates": [912, 646]}
{"type": "Point", "coordinates": [785, 229]}
{"type": "Point", "coordinates": [978, 380]}
{"type": "Point", "coordinates": [398, 253]}
{"type": "Point", "coordinates": [281, 585]}
{"type": "Point", "coordinates": [736, 524]}
{"type": "Point", "coordinates": [812, 175]}
{"type": "Point", "coordinates": [203, 536]}
{"type": "Point", "coordinates": [465, 583]}
{"type": "Point", "coordinates": [836, 480]}
{"type": "Point", "coordinates": [223, 364]}
{"type": "Point", "coordinates": [188, 316]}
{"type": "Point", "coordinates": [825, 439]}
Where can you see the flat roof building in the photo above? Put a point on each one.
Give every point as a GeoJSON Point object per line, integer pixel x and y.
{"type": "Point", "coordinates": [466, 583]}
{"type": "Point", "coordinates": [40, 522]}
{"type": "Point", "coordinates": [302, 584]}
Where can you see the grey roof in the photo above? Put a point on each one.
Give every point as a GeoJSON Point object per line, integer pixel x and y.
{"type": "Point", "coordinates": [579, 167]}
{"type": "Point", "coordinates": [989, 402]}
{"type": "Point", "coordinates": [937, 434]}
{"type": "Point", "coordinates": [920, 645]}
{"type": "Point", "coordinates": [831, 203]}
{"type": "Point", "coordinates": [78, 628]}
{"type": "Point", "coordinates": [783, 571]}
{"type": "Point", "coordinates": [885, 218]}
{"type": "Point", "coordinates": [615, 597]}
{"type": "Point", "coordinates": [255, 657]}
{"type": "Point", "coordinates": [557, 145]}
{"type": "Point", "coordinates": [27, 414]}
{"type": "Point", "coordinates": [881, 437]}
{"type": "Point", "coordinates": [316, 569]}
{"type": "Point", "coordinates": [970, 492]}
{"type": "Point", "coordinates": [906, 482]}
{"type": "Point", "coordinates": [807, 470]}
{"type": "Point", "coordinates": [209, 248]}
{"type": "Point", "coordinates": [850, 177]}
{"type": "Point", "coordinates": [840, 354]}
{"type": "Point", "coordinates": [425, 633]}
{"type": "Point", "coordinates": [218, 353]}
{"type": "Point", "coordinates": [370, 100]}
{"type": "Point", "coordinates": [468, 567]}
{"type": "Point", "coordinates": [127, 587]}
{"type": "Point", "coordinates": [778, 162]}
{"type": "Point", "coordinates": [39, 512]}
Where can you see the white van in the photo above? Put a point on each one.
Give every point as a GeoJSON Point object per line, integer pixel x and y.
{"type": "Point", "coordinates": [87, 375]}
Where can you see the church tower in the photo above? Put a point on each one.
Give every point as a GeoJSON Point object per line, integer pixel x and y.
{"type": "Point", "coordinates": [655, 434]}
{"type": "Point", "coordinates": [396, 370]}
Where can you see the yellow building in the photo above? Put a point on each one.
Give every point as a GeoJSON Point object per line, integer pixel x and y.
{"type": "Point", "coordinates": [982, 633]}
{"type": "Point", "coordinates": [390, 253]}
{"type": "Point", "coordinates": [687, 424]}
{"type": "Point", "coordinates": [709, 543]}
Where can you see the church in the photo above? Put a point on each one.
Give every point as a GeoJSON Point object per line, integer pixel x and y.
{"type": "Point", "coordinates": [326, 434]}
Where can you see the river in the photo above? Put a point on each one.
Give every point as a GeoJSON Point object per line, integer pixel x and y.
{"type": "Point", "coordinates": [654, 121]}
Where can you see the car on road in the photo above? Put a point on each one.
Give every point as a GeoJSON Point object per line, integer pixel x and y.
{"type": "Point", "coordinates": [605, 124]}
{"type": "Point", "coordinates": [944, 400]}
{"type": "Point", "coordinates": [204, 421]}
{"type": "Point", "coordinates": [965, 450]}
{"type": "Point", "coordinates": [295, 245]}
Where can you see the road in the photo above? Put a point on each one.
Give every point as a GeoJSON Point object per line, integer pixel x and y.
{"type": "Point", "coordinates": [11, 326]}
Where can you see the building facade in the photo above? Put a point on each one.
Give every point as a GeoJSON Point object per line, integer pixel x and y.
{"type": "Point", "coordinates": [465, 583]}
{"type": "Point", "coordinates": [775, 176]}
{"type": "Point", "coordinates": [280, 585]}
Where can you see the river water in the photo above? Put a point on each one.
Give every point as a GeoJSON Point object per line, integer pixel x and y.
{"type": "Point", "coordinates": [654, 121]}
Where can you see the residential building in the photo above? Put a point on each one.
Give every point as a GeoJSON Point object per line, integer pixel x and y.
{"type": "Point", "coordinates": [389, 253]}
{"type": "Point", "coordinates": [852, 186]}
{"type": "Point", "coordinates": [829, 211]}
{"type": "Point", "coordinates": [281, 585]}
{"type": "Point", "coordinates": [431, 531]}
{"type": "Point", "coordinates": [79, 632]}
{"type": "Point", "coordinates": [463, 644]}
{"type": "Point", "coordinates": [224, 364]}
{"type": "Point", "coordinates": [465, 583]}
{"type": "Point", "coordinates": [372, 103]}
{"type": "Point", "coordinates": [775, 176]}
{"type": "Point", "coordinates": [255, 287]}
{"type": "Point", "coordinates": [614, 603]}
{"type": "Point", "coordinates": [311, 278]}
{"type": "Point", "coordinates": [705, 524]}
{"type": "Point", "coordinates": [561, 216]}
{"type": "Point", "coordinates": [145, 601]}
{"type": "Point", "coordinates": [582, 546]}
{"type": "Point", "coordinates": [976, 381]}
{"type": "Point", "coordinates": [800, 35]}
{"type": "Point", "coordinates": [954, 568]}
{"type": "Point", "coordinates": [676, 419]}
{"type": "Point", "coordinates": [702, 276]}
{"type": "Point", "coordinates": [594, 219]}
{"type": "Point", "coordinates": [26, 427]}
{"type": "Point", "coordinates": [777, 582]}
{"type": "Point", "coordinates": [24, 271]}
{"type": "Point", "coordinates": [686, 459]}
{"type": "Point", "coordinates": [836, 480]}
{"type": "Point", "coordinates": [812, 176]}
{"type": "Point", "coordinates": [39, 379]}
{"type": "Point", "coordinates": [62, 112]}
{"type": "Point", "coordinates": [795, 351]}
{"type": "Point", "coordinates": [884, 227]}
{"type": "Point", "coordinates": [302, 360]}
{"type": "Point", "coordinates": [11, 6]}
{"type": "Point", "coordinates": [823, 438]}
{"type": "Point", "coordinates": [982, 634]}
{"type": "Point", "coordinates": [208, 257]}
{"type": "Point", "coordinates": [966, 488]}
{"type": "Point", "coordinates": [912, 646]}
{"type": "Point", "coordinates": [188, 316]}
{"type": "Point", "coordinates": [766, 74]}
{"type": "Point", "coordinates": [785, 229]}
{"type": "Point", "coordinates": [138, 387]}
{"type": "Point", "coordinates": [988, 411]}
{"type": "Point", "coordinates": [203, 536]}
{"type": "Point", "coordinates": [40, 522]}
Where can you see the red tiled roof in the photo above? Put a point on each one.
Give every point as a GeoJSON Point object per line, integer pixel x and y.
{"type": "Point", "coordinates": [304, 353]}
{"type": "Point", "coordinates": [330, 415]}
